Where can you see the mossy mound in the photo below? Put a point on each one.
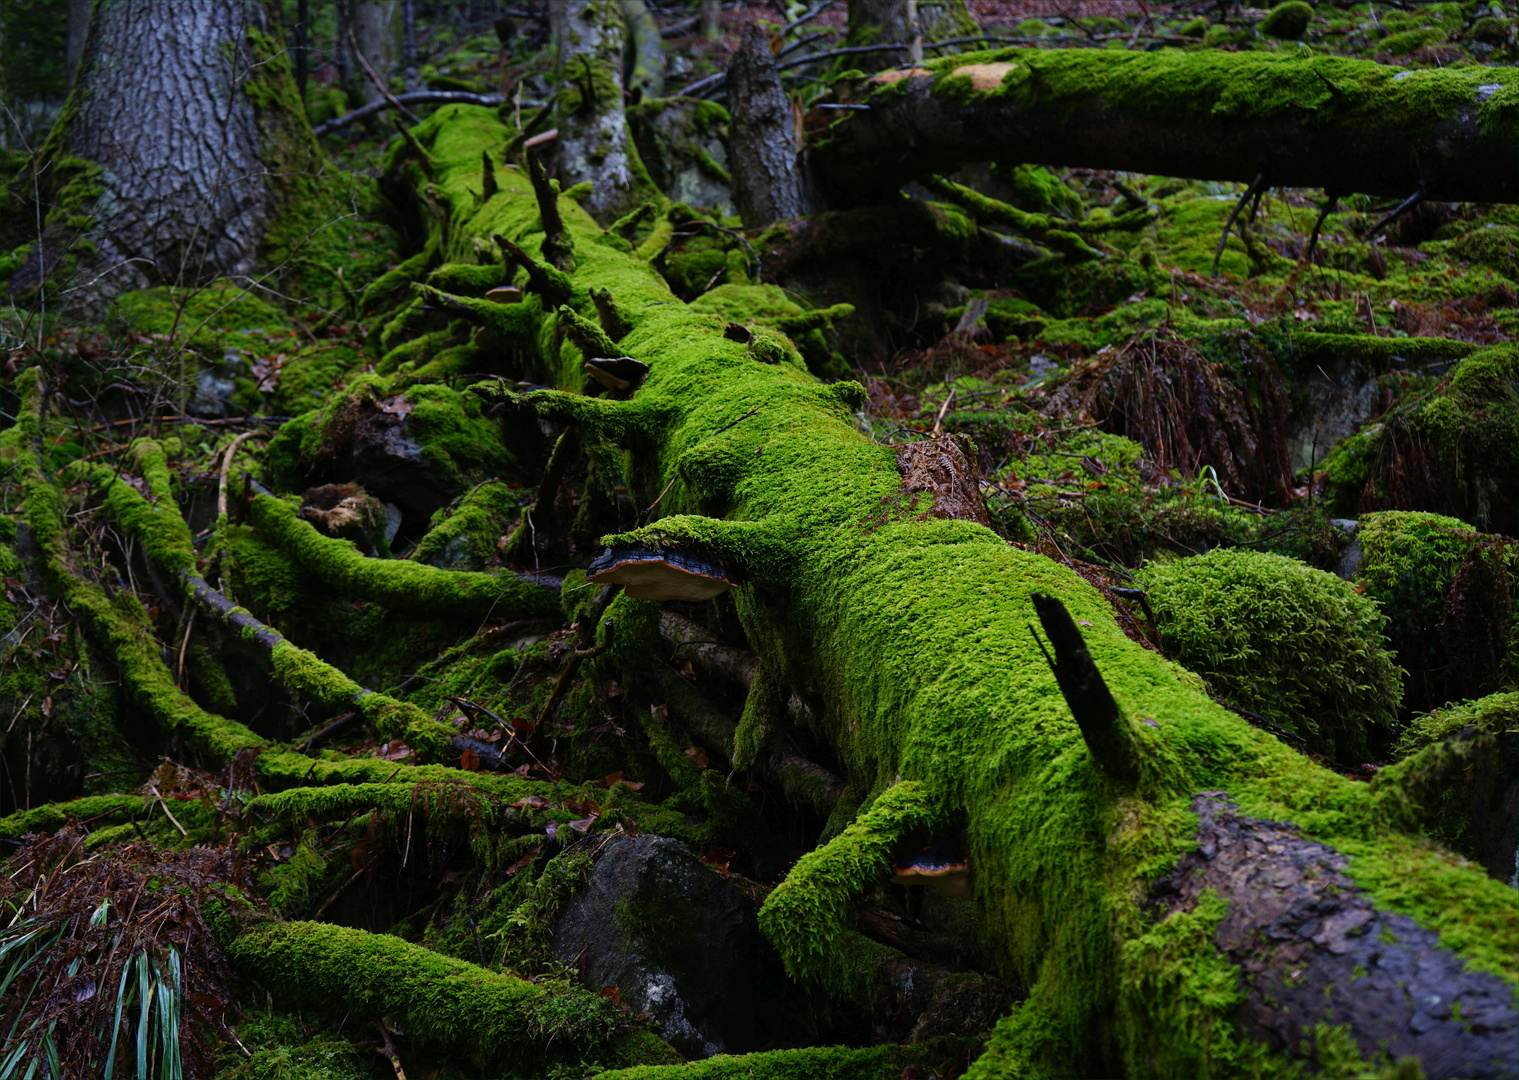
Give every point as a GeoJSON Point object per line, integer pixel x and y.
{"type": "Point", "coordinates": [1449, 594]}
{"type": "Point", "coordinates": [1287, 21]}
{"type": "Point", "coordinates": [1454, 451]}
{"type": "Point", "coordinates": [1292, 643]}
{"type": "Point", "coordinates": [1459, 767]}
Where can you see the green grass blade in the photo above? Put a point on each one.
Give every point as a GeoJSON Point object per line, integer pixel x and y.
{"type": "Point", "coordinates": [121, 994]}
{"type": "Point", "coordinates": [145, 1009]}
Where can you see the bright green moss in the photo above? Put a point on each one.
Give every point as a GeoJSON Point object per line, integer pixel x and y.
{"type": "Point", "coordinates": [1287, 21]}
{"type": "Point", "coordinates": [1453, 451]}
{"type": "Point", "coordinates": [439, 1001]}
{"type": "Point", "coordinates": [1494, 713]}
{"type": "Point", "coordinates": [54, 816]}
{"type": "Point", "coordinates": [1179, 998]}
{"type": "Point", "coordinates": [1409, 561]}
{"type": "Point", "coordinates": [913, 636]}
{"type": "Point", "coordinates": [398, 584]}
{"type": "Point", "coordinates": [810, 1063]}
{"type": "Point", "coordinates": [1295, 644]}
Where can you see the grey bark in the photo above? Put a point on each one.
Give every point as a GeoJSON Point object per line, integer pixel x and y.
{"type": "Point", "coordinates": [711, 19]}
{"type": "Point", "coordinates": [377, 30]}
{"type": "Point", "coordinates": [646, 68]}
{"type": "Point", "coordinates": [163, 110]}
{"type": "Point", "coordinates": [908, 23]}
{"type": "Point", "coordinates": [1314, 948]}
{"type": "Point", "coordinates": [768, 183]}
{"type": "Point", "coordinates": [79, 28]}
{"type": "Point", "coordinates": [593, 143]}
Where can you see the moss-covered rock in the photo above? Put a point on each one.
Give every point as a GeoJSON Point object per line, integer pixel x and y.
{"type": "Point", "coordinates": [1450, 594]}
{"type": "Point", "coordinates": [1454, 451]}
{"type": "Point", "coordinates": [1294, 644]}
{"type": "Point", "coordinates": [1288, 21]}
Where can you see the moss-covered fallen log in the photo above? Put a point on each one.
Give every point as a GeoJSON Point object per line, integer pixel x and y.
{"type": "Point", "coordinates": [1295, 119]}
{"type": "Point", "coordinates": [495, 1019]}
{"type": "Point", "coordinates": [908, 637]}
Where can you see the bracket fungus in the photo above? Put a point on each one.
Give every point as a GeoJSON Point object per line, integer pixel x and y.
{"type": "Point", "coordinates": [620, 374]}
{"type": "Point", "coordinates": [660, 573]}
{"type": "Point", "coordinates": [937, 861]}
{"type": "Point", "coordinates": [505, 294]}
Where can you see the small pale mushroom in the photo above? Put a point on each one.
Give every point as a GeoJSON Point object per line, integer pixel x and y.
{"type": "Point", "coordinates": [617, 373]}
{"type": "Point", "coordinates": [505, 294]}
{"type": "Point", "coordinates": [659, 573]}
{"type": "Point", "coordinates": [938, 861]}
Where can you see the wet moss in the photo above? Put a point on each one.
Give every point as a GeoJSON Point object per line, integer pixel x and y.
{"type": "Point", "coordinates": [912, 640]}
{"type": "Point", "coordinates": [1295, 644]}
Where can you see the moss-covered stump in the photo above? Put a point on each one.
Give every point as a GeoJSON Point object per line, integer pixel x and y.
{"type": "Point", "coordinates": [1294, 644]}
{"type": "Point", "coordinates": [1461, 764]}
{"type": "Point", "coordinates": [1450, 594]}
{"type": "Point", "coordinates": [908, 637]}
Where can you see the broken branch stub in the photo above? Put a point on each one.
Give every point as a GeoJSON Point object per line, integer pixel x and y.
{"type": "Point", "coordinates": [1103, 725]}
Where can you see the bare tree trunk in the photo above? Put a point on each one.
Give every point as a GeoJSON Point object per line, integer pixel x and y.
{"type": "Point", "coordinates": [593, 135]}
{"type": "Point", "coordinates": [79, 29]}
{"type": "Point", "coordinates": [163, 109]}
{"type": "Point", "coordinates": [711, 19]}
{"type": "Point", "coordinates": [646, 74]}
{"type": "Point", "coordinates": [768, 183]}
{"type": "Point", "coordinates": [377, 29]}
{"type": "Point", "coordinates": [908, 23]}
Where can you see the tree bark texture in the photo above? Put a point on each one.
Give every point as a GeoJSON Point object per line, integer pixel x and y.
{"type": "Point", "coordinates": [905, 22]}
{"type": "Point", "coordinates": [768, 183]}
{"type": "Point", "coordinates": [162, 108]}
{"type": "Point", "coordinates": [1302, 121]}
{"type": "Point", "coordinates": [907, 637]}
{"type": "Point", "coordinates": [377, 29]}
{"type": "Point", "coordinates": [79, 29]}
{"type": "Point", "coordinates": [593, 143]}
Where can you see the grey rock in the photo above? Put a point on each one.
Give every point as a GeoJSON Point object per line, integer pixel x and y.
{"type": "Point", "coordinates": [678, 940]}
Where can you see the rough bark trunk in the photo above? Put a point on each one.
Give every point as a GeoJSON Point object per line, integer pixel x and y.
{"type": "Point", "coordinates": [711, 19]}
{"type": "Point", "coordinates": [909, 23]}
{"type": "Point", "coordinates": [768, 184]}
{"type": "Point", "coordinates": [593, 143]}
{"type": "Point", "coordinates": [908, 636]}
{"type": "Point", "coordinates": [377, 30]}
{"type": "Point", "coordinates": [646, 68]}
{"type": "Point", "coordinates": [79, 29]}
{"type": "Point", "coordinates": [1302, 121]}
{"type": "Point", "coordinates": [162, 106]}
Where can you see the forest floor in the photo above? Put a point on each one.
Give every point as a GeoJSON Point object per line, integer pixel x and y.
{"type": "Point", "coordinates": [1123, 413]}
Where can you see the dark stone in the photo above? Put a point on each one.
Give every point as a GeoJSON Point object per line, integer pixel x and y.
{"type": "Point", "coordinates": [678, 940]}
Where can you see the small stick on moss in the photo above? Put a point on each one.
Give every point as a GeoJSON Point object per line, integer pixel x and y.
{"type": "Point", "coordinates": [1313, 238]}
{"type": "Point", "coordinates": [557, 247]}
{"type": "Point", "coordinates": [585, 335]}
{"type": "Point", "coordinates": [228, 455]}
{"type": "Point", "coordinates": [1397, 212]}
{"type": "Point", "coordinates": [612, 322]}
{"type": "Point", "coordinates": [488, 187]}
{"type": "Point", "coordinates": [1102, 723]}
{"type": "Point", "coordinates": [547, 281]}
{"type": "Point", "coordinates": [1255, 185]}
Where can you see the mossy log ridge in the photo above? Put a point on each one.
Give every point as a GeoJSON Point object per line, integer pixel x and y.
{"type": "Point", "coordinates": [1295, 119]}
{"type": "Point", "coordinates": [909, 638]}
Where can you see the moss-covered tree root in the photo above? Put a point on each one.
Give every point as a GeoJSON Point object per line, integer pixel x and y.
{"type": "Point", "coordinates": [397, 583]}
{"type": "Point", "coordinates": [909, 641]}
